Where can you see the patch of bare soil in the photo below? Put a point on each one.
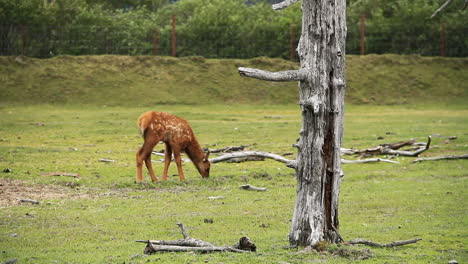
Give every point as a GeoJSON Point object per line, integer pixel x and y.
{"type": "Point", "coordinates": [13, 191]}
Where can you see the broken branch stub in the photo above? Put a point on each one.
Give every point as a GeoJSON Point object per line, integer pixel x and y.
{"type": "Point", "coordinates": [282, 76]}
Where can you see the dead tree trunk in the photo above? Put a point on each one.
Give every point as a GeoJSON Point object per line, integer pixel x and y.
{"type": "Point", "coordinates": [322, 87]}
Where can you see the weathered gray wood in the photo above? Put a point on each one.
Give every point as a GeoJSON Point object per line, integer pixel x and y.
{"type": "Point", "coordinates": [448, 157]}
{"type": "Point", "coordinates": [106, 160]}
{"type": "Point", "coordinates": [29, 201]}
{"type": "Point", "coordinates": [392, 149]}
{"type": "Point", "coordinates": [188, 244]}
{"type": "Point", "coordinates": [228, 149]}
{"type": "Point", "coordinates": [391, 244]}
{"type": "Point", "coordinates": [152, 248]}
{"type": "Point", "coordinates": [322, 50]}
{"type": "Point", "coordinates": [322, 86]}
{"type": "Point", "coordinates": [243, 154]}
{"type": "Point", "coordinates": [343, 161]}
{"type": "Point", "coordinates": [283, 76]}
{"type": "Point", "coordinates": [283, 4]}
{"type": "Point", "coordinates": [249, 187]}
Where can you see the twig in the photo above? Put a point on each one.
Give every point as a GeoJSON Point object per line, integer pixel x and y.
{"type": "Point", "coordinates": [391, 244]}
{"type": "Point", "coordinates": [367, 161]}
{"type": "Point", "coordinates": [106, 160]}
{"type": "Point", "coordinates": [68, 174]}
{"type": "Point", "coordinates": [448, 157]}
{"type": "Point", "coordinates": [29, 201]}
{"type": "Point", "coordinates": [216, 197]}
{"type": "Point", "coordinates": [249, 187]}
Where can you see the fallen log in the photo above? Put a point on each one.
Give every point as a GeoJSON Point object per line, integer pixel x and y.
{"type": "Point", "coordinates": [374, 244]}
{"type": "Point", "coordinates": [189, 244]}
{"type": "Point", "coordinates": [448, 157]}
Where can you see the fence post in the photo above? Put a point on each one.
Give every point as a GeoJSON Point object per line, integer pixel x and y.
{"type": "Point", "coordinates": [155, 41]}
{"type": "Point", "coordinates": [363, 34]}
{"type": "Point", "coordinates": [442, 39]}
{"type": "Point", "coordinates": [174, 36]}
{"type": "Point", "coordinates": [292, 41]}
{"type": "Point", "coordinates": [23, 40]}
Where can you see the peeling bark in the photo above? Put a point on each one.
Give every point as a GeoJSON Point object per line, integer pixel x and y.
{"type": "Point", "coordinates": [321, 49]}
{"type": "Point", "coordinates": [322, 86]}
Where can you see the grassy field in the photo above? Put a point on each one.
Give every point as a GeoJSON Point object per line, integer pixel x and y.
{"type": "Point", "coordinates": [97, 217]}
{"type": "Point", "coordinates": [148, 81]}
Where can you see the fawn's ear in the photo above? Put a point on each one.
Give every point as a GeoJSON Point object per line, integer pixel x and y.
{"type": "Point", "coordinates": [207, 155]}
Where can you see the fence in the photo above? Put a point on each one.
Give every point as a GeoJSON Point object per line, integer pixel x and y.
{"type": "Point", "coordinates": [45, 41]}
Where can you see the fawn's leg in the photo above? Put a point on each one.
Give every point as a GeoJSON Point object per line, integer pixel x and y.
{"type": "Point", "coordinates": [178, 161]}
{"type": "Point", "coordinates": [144, 154]}
{"type": "Point", "coordinates": [149, 166]}
{"type": "Point", "coordinates": [167, 161]}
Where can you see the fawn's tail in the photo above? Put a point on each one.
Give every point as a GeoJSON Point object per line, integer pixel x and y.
{"type": "Point", "coordinates": [143, 122]}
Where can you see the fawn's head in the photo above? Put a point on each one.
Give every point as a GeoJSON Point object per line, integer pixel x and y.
{"type": "Point", "coordinates": [204, 166]}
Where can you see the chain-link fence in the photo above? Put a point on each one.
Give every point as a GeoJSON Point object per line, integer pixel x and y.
{"type": "Point", "coordinates": [44, 41]}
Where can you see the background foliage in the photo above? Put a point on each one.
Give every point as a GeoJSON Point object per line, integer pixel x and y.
{"type": "Point", "coordinates": [216, 28]}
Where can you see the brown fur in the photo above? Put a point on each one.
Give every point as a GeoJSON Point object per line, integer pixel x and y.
{"type": "Point", "coordinates": [177, 135]}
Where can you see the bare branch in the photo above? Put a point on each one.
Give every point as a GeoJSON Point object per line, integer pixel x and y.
{"type": "Point", "coordinates": [391, 244]}
{"type": "Point", "coordinates": [282, 76]}
{"type": "Point", "coordinates": [442, 8]}
{"type": "Point", "coordinates": [283, 5]}
{"type": "Point", "coordinates": [289, 163]}
{"type": "Point", "coordinates": [189, 244]}
{"type": "Point", "coordinates": [163, 248]}
{"type": "Point", "coordinates": [68, 174]}
{"type": "Point", "coordinates": [448, 157]}
{"type": "Point", "coordinates": [367, 161]}
{"type": "Point", "coordinates": [391, 149]}
{"type": "Point", "coordinates": [408, 153]}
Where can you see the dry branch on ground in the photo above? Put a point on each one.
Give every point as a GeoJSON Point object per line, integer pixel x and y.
{"type": "Point", "coordinates": [188, 244]}
{"type": "Point", "coordinates": [448, 157]}
{"type": "Point", "coordinates": [391, 149]}
{"type": "Point", "coordinates": [391, 244]}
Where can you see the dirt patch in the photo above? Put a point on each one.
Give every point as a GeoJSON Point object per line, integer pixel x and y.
{"type": "Point", "coordinates": [12, 191]}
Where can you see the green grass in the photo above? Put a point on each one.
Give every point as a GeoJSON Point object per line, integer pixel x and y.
{"type": "Point", "coordinates": [148, 81]}
{"type": "Point", "coordinates": [98, 217]}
